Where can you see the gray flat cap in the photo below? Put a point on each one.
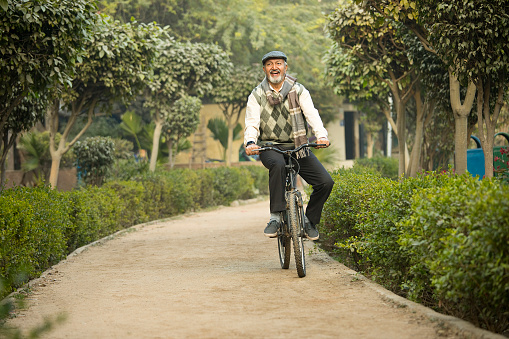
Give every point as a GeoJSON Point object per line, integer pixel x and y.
{"type": "Point", "coordinates": [274, 55]}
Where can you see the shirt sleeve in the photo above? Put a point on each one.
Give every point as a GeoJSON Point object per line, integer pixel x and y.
{"type": "Point", "coordinates": [252, 122]}
{"type": "Point", "coordinates": [312, 115]}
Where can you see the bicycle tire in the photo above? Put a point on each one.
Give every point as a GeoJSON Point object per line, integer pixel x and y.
{"type": "Point", "coordinates": [284, 245]}
{"type": "Point", "coordinates": [296, 228]}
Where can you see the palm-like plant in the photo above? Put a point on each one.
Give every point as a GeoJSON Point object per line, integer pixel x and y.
{"type": "Point", "coordinates": [132, 125]}
{"type": "Point", "coordinates": [34, 150]}
{"type": "Point", "coordinates": [219, 131]}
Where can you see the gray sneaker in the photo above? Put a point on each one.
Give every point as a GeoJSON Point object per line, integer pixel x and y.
{"type": "Point", "coordinates": [271, 229]}
{"type": "Point", "coordinates": [311, 231]}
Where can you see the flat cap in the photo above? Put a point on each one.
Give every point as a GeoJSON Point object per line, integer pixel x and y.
{"type": "Point", "coordinates": [274, 55]}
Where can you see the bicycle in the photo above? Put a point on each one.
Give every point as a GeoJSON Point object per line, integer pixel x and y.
{"type": "Point", "coordinates": [291, 228]}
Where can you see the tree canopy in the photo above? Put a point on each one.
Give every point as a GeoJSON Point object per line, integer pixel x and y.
{"type": "Point", "coordinates": [182, 69]}
{"type": "Point", "coordinates": [116, 65]}
{"type": "Point", "coordinates": [40, 41]}
{"type": "Point", "coordinates": [471, 38]}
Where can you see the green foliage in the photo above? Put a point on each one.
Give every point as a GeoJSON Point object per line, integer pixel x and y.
{"type": "Point", "coordinates": [477, 49]}
{"type": "Point", "coordinates": [183, 118]}
{"type": "Point", "coordinates": [123, 149]}
{"type": "Point", "coordinates": [96, 212]}
{"type": "Point", "coordinates": [39, 42]}
{"type": "Point", "coordinates": [132, 125]}
{"type": "Point", "coordinates": [242, 85]}
{"type": "Point", "coordinates": [388, 167]}
{"type": "Point", "coordinates": [438, 238]}
{"type": "Point", "coordinates": [104, 126]}
{"type": "Point", "coordinates": [118, 60]}
{"type": "Point", "coordinates": [94, 157]}
{"type": "Point", "coordinates": [184, 69]}
{"type": "Point", "coordinates": [463, 259]}
{"type": "Point", "coordinates": [32, 228]}
{"type": "Point", "coordinates": [260, 176]}
{"type": "Point", "coordinates": [132, 201]}
{"type": "Point", "coordinates": [127, 169]}
{"type": "Point", "coordinates": [35, 148]}
{"type": "Point", "coordinates": [350, 203]}
{"type": "Point", "coordinates": [219, 130]}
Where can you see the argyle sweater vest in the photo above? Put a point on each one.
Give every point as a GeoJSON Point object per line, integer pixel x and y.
{"type": "Point", "coordinates": [275, 122]}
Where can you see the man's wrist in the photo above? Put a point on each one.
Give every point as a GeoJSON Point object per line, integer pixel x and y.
{"type": "Point", "coordinates": [251, 142]}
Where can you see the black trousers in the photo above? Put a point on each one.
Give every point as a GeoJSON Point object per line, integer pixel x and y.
{"type": "Point", "coordinates": [311, 170]}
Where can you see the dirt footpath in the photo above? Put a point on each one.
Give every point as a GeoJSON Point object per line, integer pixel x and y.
{"type": "Point", "coordinates": [214, 275]}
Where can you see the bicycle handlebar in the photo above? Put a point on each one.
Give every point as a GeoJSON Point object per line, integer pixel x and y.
{"type": "Point", "coordinates": [290, 151]}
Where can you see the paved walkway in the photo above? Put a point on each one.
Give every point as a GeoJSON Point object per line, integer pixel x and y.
{"type": "Point", "coordinates": [214, 275]}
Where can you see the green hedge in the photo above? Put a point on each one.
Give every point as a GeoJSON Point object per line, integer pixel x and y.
{"type": "Point", "coordinates": [33, 224]}
{"type": "Point", "coordinates": [40, 226]}
{"type": "Point", "coordinates": [439, 239]}
{"type": "Point", "coordinates": [388, 167]}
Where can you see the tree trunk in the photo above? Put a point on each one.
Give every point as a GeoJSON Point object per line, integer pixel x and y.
{"type": "Point", "coordinates": [52, 127]}
{"type": "Point", "coordinates": [229, 144]}
{"type": "Point", "coordinates": [487, 122]}
{"type": "Point", "coordinates": [155, 143]}
{"type": "Point", "coordinates": [415, 157]}
{"type": "Point", "coordinates": [2, 174]}
{"type": "Point", "coordinates": [56, 157]}
{"type": "Point", "coordinates": [460, 144]}
{"type": "Point", "coordinates": [401, 128]}
{"type": "Point", "coordinates": [461, 112]}
{"type": "Point", "coordinates": [170, 152]}
{"type": "Point", "coordinates": [371, 143]}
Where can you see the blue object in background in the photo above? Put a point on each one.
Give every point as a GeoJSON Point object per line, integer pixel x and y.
{"type": "Point", "coordinates": [475, 159]}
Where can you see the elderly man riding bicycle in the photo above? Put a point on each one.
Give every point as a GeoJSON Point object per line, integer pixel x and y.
{"type": "Point", "coordinates": [278, 112]}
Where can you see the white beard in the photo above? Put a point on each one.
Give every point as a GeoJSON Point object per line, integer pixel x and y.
{"type": "Point", "coordinates": [276, 79]}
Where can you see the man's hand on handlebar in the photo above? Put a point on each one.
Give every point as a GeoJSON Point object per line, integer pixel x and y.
{"type": "Point", "coordinates": [323, 141]}
{"type": "Point", "coordinates": [252, 149]}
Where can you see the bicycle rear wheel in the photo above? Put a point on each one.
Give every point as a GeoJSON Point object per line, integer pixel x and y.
{"type": "Point", "coordinates": [296, 219]}
{"type": "Point", "coordinates": [284, 245]}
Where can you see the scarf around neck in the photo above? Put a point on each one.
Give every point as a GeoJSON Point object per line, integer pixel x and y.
{"type": "Point", "coordinates": [296, 117]}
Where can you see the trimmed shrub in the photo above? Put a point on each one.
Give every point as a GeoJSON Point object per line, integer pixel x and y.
{"type": "Point", "coordinates": [132, 202]}
{"type": "Point", "coordinates": [94, 157]}
{"type": "Point", "coordinates": [96, 213]}
{"type": "Point", "coordinates": [260, 177]}
{"type": "Point", "coordinates": [228, 184]}
{"type": "Point", "coordinates": [184, 186]}
{"type": "Point", "coordinates": [439, 238]}
{"type": "Point", "coordinates": [32, 232]}
{"type": "Point", "coordinates": [388, 167]}
{"type": "Point", "coordinates": [386, 261]}
{"type": "Point", "coordinates": [458, 236]}
{"type": "Point", "coordinates": [353, 197]}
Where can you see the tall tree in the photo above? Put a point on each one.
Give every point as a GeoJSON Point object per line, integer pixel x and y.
{"type": "Point", "coordinates": [377, 44]}
{"type": "Point", "coordinates": [232, 96]}
{"type": "Point", "coordinates": [39, 42]}
{"type": "Point", "coordinates": [117, 62]}
{"type": "Point", "coordinates": [347, 78]}
{"type": "Point", "coordinates": [182, 69]}
{"type": "Point", "coordinates": [181, 121]}
{"type": "Point", "coordinates": [471, 39]}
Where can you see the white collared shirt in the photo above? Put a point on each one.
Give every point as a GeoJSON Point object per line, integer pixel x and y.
{"type": "Point", "coordinates": [253, 110]}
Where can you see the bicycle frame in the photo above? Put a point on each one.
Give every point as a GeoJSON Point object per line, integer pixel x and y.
{"type": "Point", "coordinates": [292, 220]}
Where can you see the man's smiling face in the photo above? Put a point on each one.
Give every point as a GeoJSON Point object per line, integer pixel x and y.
{"type": "Point", "coordinates": [275, 70]}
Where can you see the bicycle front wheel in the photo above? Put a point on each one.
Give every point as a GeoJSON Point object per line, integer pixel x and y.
{"type": "Point", "coordinates": [284, 245]}
{"type": "Point", "coordinates": [296, 219]}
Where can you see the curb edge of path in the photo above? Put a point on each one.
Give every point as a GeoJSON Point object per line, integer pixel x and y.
{"type": "Point", "coordinates": [463, 327]}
